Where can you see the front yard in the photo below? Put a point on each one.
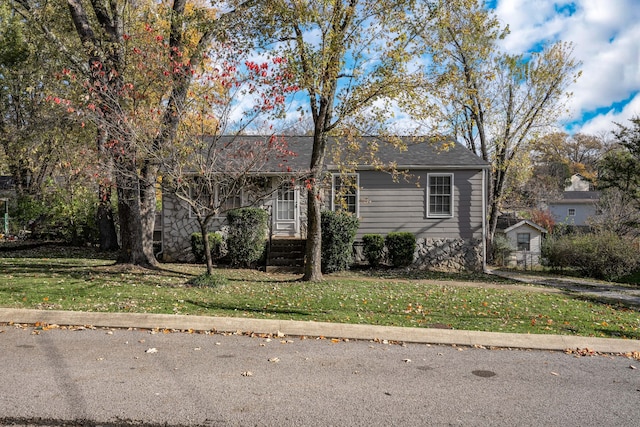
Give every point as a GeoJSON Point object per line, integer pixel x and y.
{"type": "Point", "coordinates": [66, 279]}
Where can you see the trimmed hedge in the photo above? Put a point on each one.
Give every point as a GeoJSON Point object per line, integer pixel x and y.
{"type": "Point", "coordinates": [197, 246]}
{"type": "Point", "coordinates": [247, 237]}
{"type": "Point", "coordinates": [338, 232]}
{"type": "Point", "coordinates": [373, 248]}
{"type": "Point", "coordinates": [401, 246]}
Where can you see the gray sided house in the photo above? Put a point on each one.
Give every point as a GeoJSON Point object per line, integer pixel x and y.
{"type": "Point", "coordinates": [577, 204]}
{"type": "Point", "coordinates": [435, 192]}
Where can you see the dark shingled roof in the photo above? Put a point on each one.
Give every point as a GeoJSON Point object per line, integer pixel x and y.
{"type": "Point", "coordinates": [417, 153]}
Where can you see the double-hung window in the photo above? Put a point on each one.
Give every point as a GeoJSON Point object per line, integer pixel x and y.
{"type": "Point", "coordinates": [345, 193]}
{"type": "Point", "coordinates": [440, 195]}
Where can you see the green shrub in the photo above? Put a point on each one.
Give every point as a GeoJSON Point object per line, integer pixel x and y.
{"type": "Point", "coordinates": [373, 248]}
{"type": "Point", "coordinates": [401, 246]}
{"type": "Point", "coordinates": [501, 250]}
{"type": "Point", "coordinates": [208, 281]}
{"type": "Point", "coordinates": [338, 232]}
{"type": "Point", "coordinates": [602, 255]}
{"type": "Point", "coordinates": [197, 246]}
{"type": "Point", "coordinates": [60, 214]}
{"type": "Point", "coordinates": [246, 241]}
{"type": "Point", "coordinates": [557, 251]}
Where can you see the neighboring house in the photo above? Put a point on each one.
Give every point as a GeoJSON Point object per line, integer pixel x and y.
{"type": "Point", "coordinates": [439, 196]}
{"type": "Point", "coordinates": [577, 182]}
{"type": "Point", "coordinates": [577, 203]}
{"type": "Point", "coordinates": [525, 239]}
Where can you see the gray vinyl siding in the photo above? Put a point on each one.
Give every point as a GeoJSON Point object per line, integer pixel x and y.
{"type": "Point", "coordinates": [583, 211]}
{"type": "Point", "coordinates": [387, 206]}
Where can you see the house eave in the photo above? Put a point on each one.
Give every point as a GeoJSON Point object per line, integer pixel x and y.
{"type": "Point", "coordinates": [413, 167]}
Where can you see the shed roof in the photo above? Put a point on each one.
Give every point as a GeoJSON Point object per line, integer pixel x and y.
{"type": "Point", "coordinates": [525, 223]}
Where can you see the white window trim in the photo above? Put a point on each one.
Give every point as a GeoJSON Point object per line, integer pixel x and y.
{"type": "Point", "coordinates": [333, 190]}
{"type": "Point", "coordinates": [428, 197]}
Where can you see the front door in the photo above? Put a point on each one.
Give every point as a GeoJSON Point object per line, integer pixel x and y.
{"type": "Point", "coordinates": [285, 219]}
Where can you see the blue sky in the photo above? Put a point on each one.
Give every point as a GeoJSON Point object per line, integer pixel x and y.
{"type": "Point", "coordinates": [606, 35]}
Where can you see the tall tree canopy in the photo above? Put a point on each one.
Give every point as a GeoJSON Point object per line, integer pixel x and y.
{"type": "Point", "coordinates": [620, 168]}
{"type": "Point", "coordinates": [136, 64]}
{"type": "Point", "coordinates": [494, 102]}
{"type": "Point", "coordinates": [350, 59]}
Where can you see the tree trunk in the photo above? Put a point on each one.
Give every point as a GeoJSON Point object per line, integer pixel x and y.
{"type": "Point", "coordinates": [148, 209]}
{"type": "Point", "coordinates": [131, 229]}
{"type": "Point", "coordinates": [207, 246]}
{"type": "Point", "coordinates": [313, 249]}
{"type": "Point", "coordinates": [108, 237]}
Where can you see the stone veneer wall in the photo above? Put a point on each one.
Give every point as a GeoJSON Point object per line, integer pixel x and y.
{"type": "Point", "coordinates": [177, 230]}
{"type": "Point", "coordinates": [449, 255]}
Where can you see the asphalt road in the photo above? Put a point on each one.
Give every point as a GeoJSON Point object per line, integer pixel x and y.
{"type": "Point", "coordinates": [105, 377]}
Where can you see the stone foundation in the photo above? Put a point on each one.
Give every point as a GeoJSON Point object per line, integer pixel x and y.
{"type": "Point", "coordinates": [448, 255]}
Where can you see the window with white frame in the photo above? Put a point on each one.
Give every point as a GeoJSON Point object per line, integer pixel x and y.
{"type": "Point", "coordinates": [440, 195]}
{"type": "Point", "coordinates": [345, 193]}
{"type": "Point", "coordinates": [523, 241]}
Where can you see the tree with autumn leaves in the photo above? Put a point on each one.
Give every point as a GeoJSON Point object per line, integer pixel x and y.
{"type": "Point", "coordinates": [212, 167]}
{"type": "Point", "coordinates": [137, 81]}
{"type": "Point", "coordinates": [496, 103]}
{"type": "Point", "coordinates": [350, 59]}
{"type": "Point", "coordinates": [355, 63]}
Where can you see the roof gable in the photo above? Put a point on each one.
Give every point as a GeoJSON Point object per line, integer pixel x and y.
{"type": "Point", "coordinates": [525, 223]}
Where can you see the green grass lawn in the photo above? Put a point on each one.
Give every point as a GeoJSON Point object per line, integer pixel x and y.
{"type": "Point", "coordinates": [63, 279]}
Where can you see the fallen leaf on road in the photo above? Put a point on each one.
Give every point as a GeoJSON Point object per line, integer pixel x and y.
{"type": "Point", "coordinates": [555, 374]}
{"type": "Point", "coordinates": [274, 360]}
{"type": "Point", "coordinates": [151, 350]}
{"type": "Point", "coordinates": [406, 360]}
{"type": "Point", "coordinates": [632, 367]}
{"type": "Point", "coordinates": [247, 374]}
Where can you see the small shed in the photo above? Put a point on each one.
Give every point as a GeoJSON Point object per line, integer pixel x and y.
{"type": "Point", "coordinates": [525, 239]}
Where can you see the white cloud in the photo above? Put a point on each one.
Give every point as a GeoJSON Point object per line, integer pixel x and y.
{"type": "Point", "coordinates": [605, 35]}
{"type": "Point", "coordinates": [603, 123]}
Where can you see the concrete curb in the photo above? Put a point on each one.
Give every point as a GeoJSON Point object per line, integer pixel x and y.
{"type": "Point", "coordinates": [316, 329]}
